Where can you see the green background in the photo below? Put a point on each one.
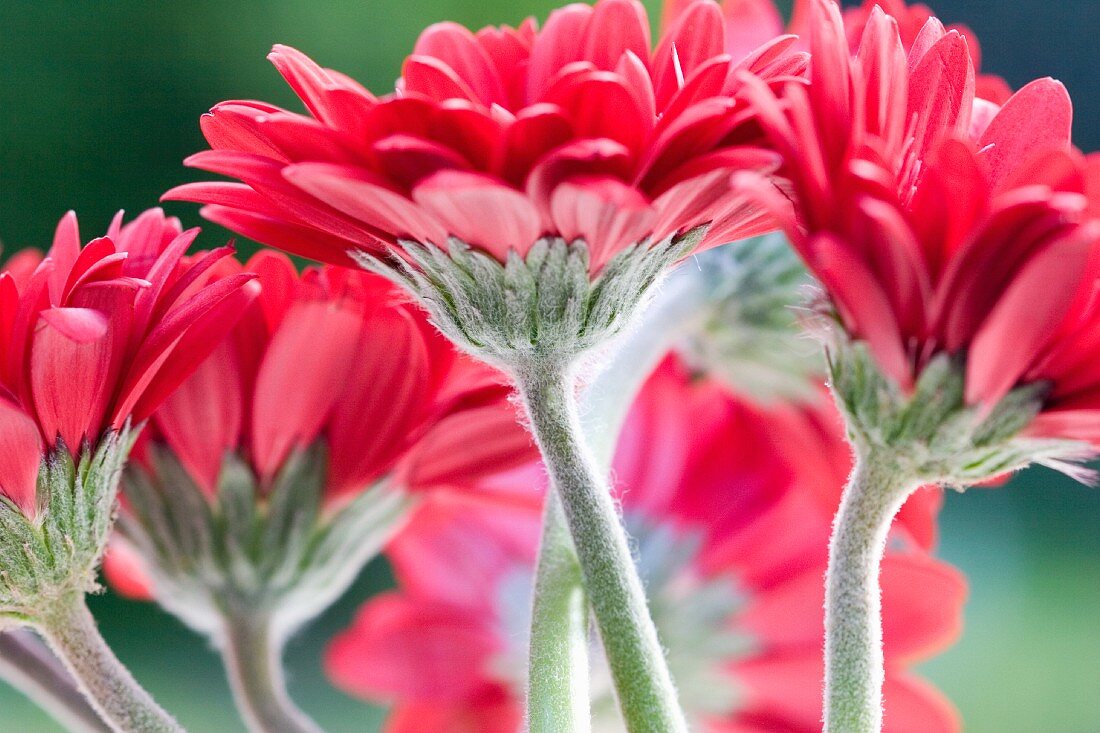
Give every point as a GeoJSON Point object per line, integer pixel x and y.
{"type": "Point", "coordinates": [98, 104]}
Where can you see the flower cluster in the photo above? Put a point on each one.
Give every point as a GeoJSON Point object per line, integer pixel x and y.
{"type": "Point", "coordinates": [499, 217]}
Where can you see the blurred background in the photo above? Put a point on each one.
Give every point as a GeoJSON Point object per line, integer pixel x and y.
{"type": "Point", "coordinates": [100, 103]}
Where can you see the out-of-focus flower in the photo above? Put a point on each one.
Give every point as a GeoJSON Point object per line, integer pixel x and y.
{"type": "Point", "coordinates": [731, 542]}
{"type": "Point", "coordinates": [936, 232]}
{"type": "Point", "coordinates": [277, 470]}
{"type": "Point", "coordinates": [380, 398]}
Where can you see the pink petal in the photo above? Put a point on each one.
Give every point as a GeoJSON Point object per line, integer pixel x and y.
{"type": "Point", "coordinates": [616, 27]}
{"type": "Point", "coordinates": [459, 50]}
{"type": "Point", "coordinates": [1037, 117]}
{"type": "Point", "coordinates": [1023, 320]}
{"type": "Point", "coordinates": [20, 455]}
{"type": "Point", "coordinates": [560, 43]}
{"type": "Point", "coordinates": [697, 35]}
{"type": "Point", "coordinates": [606, 213]}
{"type": "Point", "coordinates": [401, 647]}
{"type": "Point", "coordinates": [480, 211]}
{"type": "Point", "coordinates": [359, 193]}
{"type": "Point", "coordinates": [291, 403]}
{"type": "Point", "coordinates": [201, 419]}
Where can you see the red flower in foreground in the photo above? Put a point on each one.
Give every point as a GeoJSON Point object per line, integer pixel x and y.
{"type": "Point", "coordinates": [732, 547]}
{"type": "Point", "coordinates": [936, 231]}
{"type": "Point", "coordinates": [502, 137]}
{"type": "Point", "coordinates": [92, 336]}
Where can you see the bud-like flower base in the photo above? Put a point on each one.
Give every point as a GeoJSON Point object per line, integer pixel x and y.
{"type": "Point", "coordinates": [535, 317]}
{"type": "Point", "coordinates": [546, 304]}
{"type": "Point", "coordinates": [931, 434]}
{"type": "Point", "coordinates": [749, 335]}
{"type": "Point", "coordinates": [249, 566]}
{"type": "Point", "coordinates": [276, 551]}
{"type": "Point", "coordinates": [56, 553]}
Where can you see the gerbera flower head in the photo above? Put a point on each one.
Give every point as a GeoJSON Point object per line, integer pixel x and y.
{"type": "Point", "coordinates": [731, 546]}
{"type": "Point", "coordinates": [527, 160]}
{"type": "Point", "coordinates": [328, 452]}
{"type": "Point", "coordinates": [936, 227]}
{"type": "Point", "coordinates": [92, 339]}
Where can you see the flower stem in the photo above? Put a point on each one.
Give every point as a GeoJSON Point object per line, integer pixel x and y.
{"type": "Point", "coordinates": [28, 666]}
{"type": "Point", "coordinates": [557, 682]}
{"type": "Point", "coordinates": [251, 651]}
{"type": "Point", "coordinates": [854, 671]}
{"type": "Point", "coordinates": [646, 693]}
{"type": "Point", "coordinates": [112, 691]}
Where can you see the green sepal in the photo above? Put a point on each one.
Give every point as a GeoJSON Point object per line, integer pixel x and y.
{"type": "Point", "coordinates": [57, 552]}
{"type": "Point", "coordinates": [932, 432]}
{"type": "Point", "coordinates": [273, 550]}
{"type": "Point", "coordinates": [748, 335]}
{"type": "Point", "coordinates": [544, 304]}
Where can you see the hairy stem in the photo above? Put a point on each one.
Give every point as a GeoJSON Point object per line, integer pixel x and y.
{"type": "Point", "coordinates": [647, 696]}
{"type": "Point", "coordinates": [557, 681]}
{"type": "Point", "coordinates": [252, 652]}
{"type": "Point", "coordinates": [854, 662]}
{"type": "Point", "coordinates": [28, 666]}
{"type": "Point", "coordinates": [112, 691]}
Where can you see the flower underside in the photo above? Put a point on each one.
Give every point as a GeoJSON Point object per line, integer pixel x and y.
{"type": "Point", "coordinates": [542, 306]}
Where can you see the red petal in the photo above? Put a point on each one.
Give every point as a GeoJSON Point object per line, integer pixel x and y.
{"type": "Point", "coordinates": [1037, 117]}
{"type": "Point", "coordinates": [459, 50]}
{"type": "Point", "coordinates": [480, 211]}
{"type": "Point", "coordinates": [20, 456]}
{"type": "Point", "coordinates": [291, 402]}
{"type": "Point", "coordinates": [606, 213]}
{"type": "Point", "coordinates": [409, 649]}
{"type": "Point", "coordinates": [359, 193]}
{"type": "Point", "coordinates": [201, 419]}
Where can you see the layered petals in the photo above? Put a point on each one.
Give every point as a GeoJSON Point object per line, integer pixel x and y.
{"type": "Point", "coordinates": [97, 335]}
{"type": "Point", "coordinates": [471, 143]}
{"type": "Point", "coordinates": [381, 390]}
{"type": "Point", "coordinates": [937, 224]}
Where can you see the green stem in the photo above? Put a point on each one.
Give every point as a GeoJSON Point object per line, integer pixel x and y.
{"type": "Point", "coordinates": [111, 690]}
{"type": "Point", "coordinates": [646, 693]}
{"type": "Point", "coordinates": [557, 682]}
{"type": "Point", "coordinates": [28, 666]}
{"type": "Point", "coordinates": [854, 664]}
{"type": "Point", "coordinates": [251, 649]}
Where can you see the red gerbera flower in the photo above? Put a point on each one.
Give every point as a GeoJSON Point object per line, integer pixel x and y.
{"type": "Point", "coordinates": [578, 130]}
{"type": "Point", "coordinates": [380, 378]}
{"type": "Point", "coordinates": [92, 336]}
{"type": "Point", "coordinates": [937, 231]}
{"type": "Point", "coordinates": [732, 547]}
{"type": "Point", "coordinates": [385, 394]}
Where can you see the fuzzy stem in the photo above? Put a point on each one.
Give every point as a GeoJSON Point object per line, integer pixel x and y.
{"type": "Point", "coordinates": [112, 691]}
{"type": "Point", "coordinates": [854, 671]}
{"type": "Point", "coordinates": [28, 666]}
{"type": "Point", "coordinates": [252, 649]}
{"type": "Point", "coordinates": [557, 682]}
{"type": "Point", "coordinates": [646, 693]}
